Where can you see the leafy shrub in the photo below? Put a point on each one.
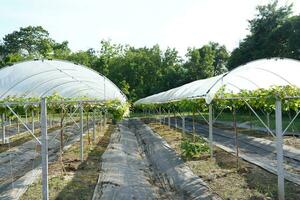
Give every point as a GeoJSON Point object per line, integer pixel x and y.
{"type": "Point", "coordinates": [193, 149]}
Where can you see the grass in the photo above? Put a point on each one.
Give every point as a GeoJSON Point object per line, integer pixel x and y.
{"type": "Point", "coordinates": [73, 179]}
{"type": "Point", "coordinates": [222, 175]}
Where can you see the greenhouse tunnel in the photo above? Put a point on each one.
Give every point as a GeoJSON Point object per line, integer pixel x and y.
{"type": "Point", "coordinates": [40, 78]}
{"type": "Point", "coordinates": [33, 83]}
{"type": "Point", "coordinates": [258, 74]}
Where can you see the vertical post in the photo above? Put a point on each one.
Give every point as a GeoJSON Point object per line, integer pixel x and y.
{"type": "Point", "coordinates": [100, 121]}
{"type": "Point", "coordinates": [236, 135]}
{"type": "Point", "coordinates": [194, 130]}
{"type": "Point", "coordinates": [3, 129]}
{"type": "Point", "coordinates": [250, 119]}
{"type": "Point", "coordinates": [160, 119]}
{"type": "Point", "coordinates": [183, 124]}
{"type": "Point", "coordinates": [81, 132]}
{"type": "Point", "coordinates": [18, 126]}
{"type": "Point", "coordinates": [175, 118]}
{"type": "Point", "coordinates": [52, 120]}
{"type": "Point", "coordinates": [279, 144]}
{"type": "Point", "coordinates": [88, 127]}
{"type": "Point", "coordinates": [44, 149]}
{"type": "Point", "coordinates": [32, 122]}
{"type": "Point", "coordinates": [104, 119]}
{"type": "Point", "coordinates": [210, 130]}
{"type": "Point", "coordinates": [94, 125]}
{"type": "Point", "coordinates": [26, 117]}
{"type": "Point", "coordinates": [268, 120]}
{"type": "Point", "coordinates": [62, 116]}
{"type": "Point", "coordinates": [169, 119]}
{"type": "Point", "coordinates": [49, 121]}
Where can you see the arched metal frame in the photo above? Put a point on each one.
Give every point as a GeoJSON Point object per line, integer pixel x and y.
{"type": "Point", "coordinates": [262, 73]}
{"type": "Point", "coordinates": [44, 77]}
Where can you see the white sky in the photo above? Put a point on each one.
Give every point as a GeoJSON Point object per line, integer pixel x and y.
{"type": "Point", "coordinates": [174, 23]}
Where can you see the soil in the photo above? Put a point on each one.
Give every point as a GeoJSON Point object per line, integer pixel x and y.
{"type": "Point", "coordinates": [246, 182]}
{"type": "Point", "coordinates": [71, 179]}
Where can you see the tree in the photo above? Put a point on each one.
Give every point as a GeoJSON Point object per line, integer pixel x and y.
{"type": "Point", "coordinates": [207, 61]}
{"type": "Point", "coordinates": [220, 59]}
{"type": "Point", "coordinates": [108, 52]}
{"type": "Point", "coordinates": [86, 58]}
{"type": "Point", "coordinates": [61, 50]}
{"type": "Point", "coordinates": [287, 39]}
{"type": "Point", "coordinates": [139, 67]}
{"type": "Point", "coordinates": [28, 41]}
{"type": "Point", "coordinates": [171, 74]}
{"type": "Point", "coordinates": [261, 42]}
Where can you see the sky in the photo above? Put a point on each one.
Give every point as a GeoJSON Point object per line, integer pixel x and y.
{"type": "Point", "coordinates": [170, 23]}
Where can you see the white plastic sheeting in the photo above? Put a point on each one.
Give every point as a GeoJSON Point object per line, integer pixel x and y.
{"type": "Point", "coordinates": [42, 78]}
{"type": "Point", "coordinates": [263, 73]}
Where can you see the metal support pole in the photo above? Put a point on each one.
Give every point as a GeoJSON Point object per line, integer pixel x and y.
{"type": "Point", "coordinates": [210, 130]}
{"type": "Point", "coordinates": [236, 136]}
{"type": "Point", "coordinates": [52, 120]}
{"type": "Point", "coordinates": [18, 126]}
{"type": "Point", "coordinates": [183, 124]}
{"type": "Point", "coordinates": [175, 118]}
{"type": "Point", "coordinates": [268, 119]}
{"type": "Point", "coordinates": [94, 125]}
{"type": "Point", "coordinates": [44, 149]}
{"type": "Point", "coordinates": [104, 119]}
{"type": "Point", "coordinates": [32, 124]}
{"type": "Point", "coordinates": [279, 144]}
{"type": "Point", "coordinates": [169, 119]}
{"type": "Point", "coordinates": [100, 116]}
{"type": "Point", "coordinates": [81, 132]}
{"type": "Point", "coordinates": [194, 128]}
{"type": "Point", "coordinates": [49, 121]}
{"type": "Point", "coordinates": [26, 117]}
{"type": "Point", "coordinates": [3, 129]}
{"type": "Point", "coordinates": [159, 115]}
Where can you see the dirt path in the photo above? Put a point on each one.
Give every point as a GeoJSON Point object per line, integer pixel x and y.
{"type": "Point", "coordinates": [139, 164]}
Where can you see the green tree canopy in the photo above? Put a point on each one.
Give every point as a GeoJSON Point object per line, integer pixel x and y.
{"type": "Point", "coordinates": [267, 36]}
{"type": "Point", "coordinates": [207, 61]}
{"type": "Point", "coordinates": [31, 40]}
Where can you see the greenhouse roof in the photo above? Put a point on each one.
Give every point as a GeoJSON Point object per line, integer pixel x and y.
{"type": "Point", "coordinates": [40, 78]}
{"type": "Point", "coordinates": [263, 73]}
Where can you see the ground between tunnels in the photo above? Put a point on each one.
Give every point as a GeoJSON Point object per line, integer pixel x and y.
{"type": "Point", "coordinates": [139, 164]}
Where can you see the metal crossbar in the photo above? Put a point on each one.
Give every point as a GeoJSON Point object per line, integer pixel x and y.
{"type": "Point", "coordinates": [290, 123]}
{"type": "Point", "coordinates": [203, 116]}
{"type": "Point", "coordinates": [259, 118]}
{"type": "Point", "coordinates": [180, 115]}
{"type": "Point", "coordinates": [218, 115]}
{"type": "Point", "coordinates": [71, 117]}
{"type": "Point", "coordinates": [28, 129]}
